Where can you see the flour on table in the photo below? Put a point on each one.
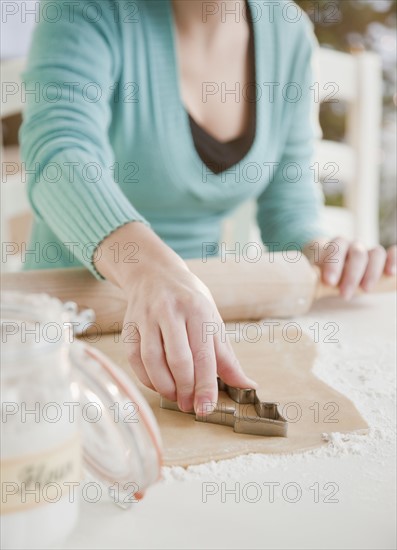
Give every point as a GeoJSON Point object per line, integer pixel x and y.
{"type": "Point", "coordinates": [366, 378]}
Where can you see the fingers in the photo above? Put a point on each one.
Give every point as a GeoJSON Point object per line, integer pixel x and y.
{"type": "Point", "coordinates": [375, 267]}
{"type": "Point", "coordinates": [333, 261]}
{"type": "Point", "coordinates": [349, 265]}
{"type": "Point", "coordinates": [195, 359]}
{"type": "Point", "coordinates": [135, 360]}
{"type": "Point", "coordinates": [154, 361]}
{"type": "Point", "coordinates": [354, 269]}
{"type": "Point", "coordinates": [181, 363]}
{"type": "Point", "coordinates": [179, 359]}
{"type": "Point", "coordinates": [204, 359]}
{"type": "Point", "coordinates": [391, 261]}
{"type": "Point", "coordinates": [229, 368]}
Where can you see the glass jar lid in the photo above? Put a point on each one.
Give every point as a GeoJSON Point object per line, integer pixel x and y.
{"type": "Point", "coordinates": [121, 439]}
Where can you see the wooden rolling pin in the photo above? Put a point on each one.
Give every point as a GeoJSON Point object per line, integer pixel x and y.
{"type": "Point", "coordinates": [270, 287]}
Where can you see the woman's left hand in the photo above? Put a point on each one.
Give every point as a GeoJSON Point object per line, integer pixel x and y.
{"type": "Point", "coordinates": [349, 264]}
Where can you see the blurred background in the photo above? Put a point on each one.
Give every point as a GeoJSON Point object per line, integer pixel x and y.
{"type": "Point", "coordinates": [354, 26]}
{"type": "Point", "coordinates": [358, 58]}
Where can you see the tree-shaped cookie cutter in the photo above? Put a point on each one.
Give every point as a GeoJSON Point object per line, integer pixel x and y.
{"type": "Point", "coordinates": [247, 415]}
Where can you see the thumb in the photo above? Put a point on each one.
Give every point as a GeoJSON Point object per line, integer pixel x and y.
{"type": "Point", "coordinates": [228, 366]}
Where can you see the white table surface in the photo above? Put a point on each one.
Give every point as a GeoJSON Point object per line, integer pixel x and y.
{"type": "Point", "coordinates": [173, 515]}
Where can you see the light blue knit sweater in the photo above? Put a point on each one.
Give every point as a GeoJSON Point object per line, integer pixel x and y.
{"type": "Point", "coordinates": [107, 138]}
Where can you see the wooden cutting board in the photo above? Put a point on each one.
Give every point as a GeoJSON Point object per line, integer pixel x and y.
{"type": "Point", "coordinates": [283, 371]}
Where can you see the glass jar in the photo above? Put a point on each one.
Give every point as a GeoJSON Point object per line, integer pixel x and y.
{"type": "Point", "coordinates": [69, 416]}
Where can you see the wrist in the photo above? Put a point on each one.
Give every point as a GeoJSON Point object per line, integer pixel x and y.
{"type": "Point", "coordinates": [131, 252]}
{"type": "Point", "coordinates": [314, 249]}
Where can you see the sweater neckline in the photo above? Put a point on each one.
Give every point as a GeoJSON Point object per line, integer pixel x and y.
{"type": "Point", "coordinates": [174, 117]}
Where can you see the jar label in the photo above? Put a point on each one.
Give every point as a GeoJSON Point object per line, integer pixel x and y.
{"type": "Point", "coordinates": [44, 478]}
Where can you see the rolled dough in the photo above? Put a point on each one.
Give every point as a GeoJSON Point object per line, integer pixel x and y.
{"type": "Point", "coordinates": [283, 370]}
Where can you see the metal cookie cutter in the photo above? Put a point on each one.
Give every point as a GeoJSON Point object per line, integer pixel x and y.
{"type": "Point", "coordinates": [243, 410]}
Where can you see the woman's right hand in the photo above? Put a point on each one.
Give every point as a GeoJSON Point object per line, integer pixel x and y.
{"type": "Point", "coordinates": [168, 345]}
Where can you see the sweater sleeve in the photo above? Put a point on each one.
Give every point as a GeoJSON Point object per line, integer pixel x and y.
{"type": "Point", "coordinates": [73, 66]}
{"type": "Point", "coordinates": [289, 209]}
